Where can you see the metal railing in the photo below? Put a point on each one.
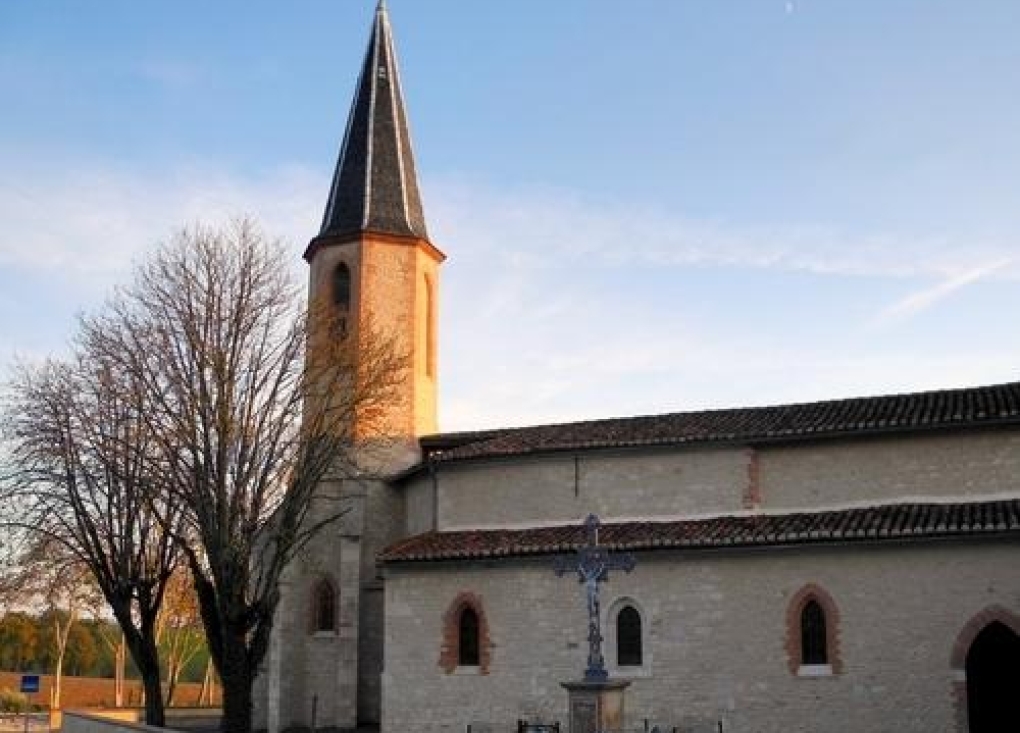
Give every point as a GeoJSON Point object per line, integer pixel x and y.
{"type": "Point", "coordinates": [527, 726]}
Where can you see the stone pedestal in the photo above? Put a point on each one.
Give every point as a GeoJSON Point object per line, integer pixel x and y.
{"type": "Point", "coordinates": [595, 705]}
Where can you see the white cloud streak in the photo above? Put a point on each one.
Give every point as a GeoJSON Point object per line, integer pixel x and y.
{"type": "Point", "coordinates": [529, 331]}
{"type": "Point", "coordinates": [96, 219]}
{"type": "Point", "coordinates": [922, 300]}
{"type": "Point", "coordinates": [533, 227]}
{"type": "Point", "coordinates": [90, 224]}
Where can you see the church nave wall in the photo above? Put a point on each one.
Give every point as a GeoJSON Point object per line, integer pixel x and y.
{"type": "Point", "coordinates": [562, 489]}
{"type": "Point", "coordinates": [717, 643]}
{"type": "Point", "coordinates": [890, 468]}
{"type": "Point", "coordinates": [664, 483]}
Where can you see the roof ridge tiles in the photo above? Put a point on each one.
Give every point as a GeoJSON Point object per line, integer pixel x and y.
{"type": "Point", "coordinates": [947, 408]}
{"type": "Point", "coordinates": [879, 522]}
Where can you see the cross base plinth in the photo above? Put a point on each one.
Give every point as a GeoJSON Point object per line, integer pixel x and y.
{"type": "Point", "coordinates": [595, 705]}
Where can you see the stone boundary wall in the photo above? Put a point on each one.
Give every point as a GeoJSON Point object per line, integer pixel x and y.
{"type": "Point", "coordinates": [81, 693]}
{"type": "Point", "coordinates": [114, 721]}
{"type": "Point", "coordinates": [127, 720]}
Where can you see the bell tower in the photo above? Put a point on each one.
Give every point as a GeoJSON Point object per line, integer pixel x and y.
{"type": "Point", "coordinates": [375, 274]}
{"type": "Point", "coordinates": [372, 259]}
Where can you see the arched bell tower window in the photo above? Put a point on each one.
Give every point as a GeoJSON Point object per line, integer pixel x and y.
{"type": "Point", "coordinates": [342, 287]}
{"type": "Point", "coordinates": [430, 328]}
{"type": "Point", "coordinates": [467, 647]}
{"type": "Point", "coordinates": [629, 651]}
{"type": "Point", "coordinates": [324, 607]}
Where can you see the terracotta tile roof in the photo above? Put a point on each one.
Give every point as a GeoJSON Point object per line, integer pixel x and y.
{"type": "Point", "coordinates": [878, 523]}
{"type": "Point", "coordinates": [968, 407]}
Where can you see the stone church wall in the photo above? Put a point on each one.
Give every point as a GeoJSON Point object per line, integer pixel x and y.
{"type": "Point", "coordinates": [692, 482]}
{"type": "Point", "coordinates": [874, 470]}
{"type": "Point", "coordinates": [419, 504]}
{"type": "Point", "coordinates": [560, 489]}
{"type": "Point", "coordinates": [716, 641]}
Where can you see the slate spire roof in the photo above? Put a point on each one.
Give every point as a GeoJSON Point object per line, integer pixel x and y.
{"type": "Point", "coordinates": [375, 186]}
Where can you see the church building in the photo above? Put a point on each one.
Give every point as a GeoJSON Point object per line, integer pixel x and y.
{"type": "Point", "coordinates": [840, 566]}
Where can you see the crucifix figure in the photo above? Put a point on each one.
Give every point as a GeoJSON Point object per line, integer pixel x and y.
{"type": "Point", "coordinates": [593, 563]}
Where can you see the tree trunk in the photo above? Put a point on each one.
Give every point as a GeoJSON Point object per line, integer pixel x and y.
{"type": "Point", "coordinates": [236, 677]}
{"type": "Point", "coordinates": [141, 642]}
{"type": "Point", "coordinates": [120, 661]}
{"type": "Point", "coordinates": [63, 632]}
{"type": "Point", "coordinates": [208, 692]}
{"type": "Point", "coordinates": [154, 712]}
{"type": "Point", "coordinates": [173, 671]}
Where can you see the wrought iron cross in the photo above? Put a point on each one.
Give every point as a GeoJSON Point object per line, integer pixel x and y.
{"type": "Point", "coordinates": [593, 563]}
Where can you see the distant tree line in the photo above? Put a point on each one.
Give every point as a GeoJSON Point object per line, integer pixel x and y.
{"type": "Point", "coordinates": [29, 643]}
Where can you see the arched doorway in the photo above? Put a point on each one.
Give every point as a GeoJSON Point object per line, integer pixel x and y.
{"type": "Point", "coordinates": [993, 680]}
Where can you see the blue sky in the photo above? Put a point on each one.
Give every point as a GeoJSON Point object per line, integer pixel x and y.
{"type": "Point", "coordinates": [648, 206]}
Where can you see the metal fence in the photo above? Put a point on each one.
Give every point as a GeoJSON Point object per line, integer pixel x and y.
{"type": "Point", "coordinates": [646, 726]}
{"type": "Point", "coordinates": [35, 722]}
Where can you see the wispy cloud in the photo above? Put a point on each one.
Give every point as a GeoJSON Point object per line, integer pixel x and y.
{"type": "Point", "coordinates": [92, 219]}
{"type": "Point", "coordinates": [537, 226]}
{"type": "Point", "coordinates": [91, 223]}
{"type": "Point", "coordinates": [922, 300]}
{"type": "Point", "coordinates": [535, 324]}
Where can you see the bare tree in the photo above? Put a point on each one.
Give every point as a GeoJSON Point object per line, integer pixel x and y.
{"type": "Point", "coordinates": [84, 461]}
{"type": "Point", "coordinates": [179, 630]}
{"type": "Point", "coordinates": [49, 577]}
{"type": "Point", "coordinates": [253, 400]}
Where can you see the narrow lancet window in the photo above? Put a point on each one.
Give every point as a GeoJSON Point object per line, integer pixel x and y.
{"type": "Point", "coordinates": [467, 648]}
{"type": "Point", "coordinates": [813, 644]}
{"type": "Point", "coordinates": [342, 287]}
{"type": "Point", "coordinates": [629, 652]}
{"type": "Point", "coordinates": [430, 329]}
{"type": "Point", "coordinates": [325, 607]}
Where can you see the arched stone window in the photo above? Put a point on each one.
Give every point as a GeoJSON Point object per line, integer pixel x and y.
{"type": "Point", "coordinates": [342, 287]}
{"type": "Point", "coordinates": [812, 638]}
{"type": "Point", "coordinates": [629, 644]}
{"type": "Point", "coordinates": [324, 608]}
{"type": "Point", "coordinates": [813, 645]}
{"type": "Point", "coordinates": [466, 643]}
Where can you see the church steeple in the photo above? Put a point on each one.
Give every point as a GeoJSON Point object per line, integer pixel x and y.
{"type": "Point", "coordinates": [371, 264]}
{"type": "Point", "coordinates": [375, 186]}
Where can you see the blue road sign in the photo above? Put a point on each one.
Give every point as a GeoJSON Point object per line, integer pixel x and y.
{"type": "Point", "coordinates": [30, 683]}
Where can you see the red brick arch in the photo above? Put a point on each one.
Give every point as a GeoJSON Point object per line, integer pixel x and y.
{"type": "Point", "coordinates": [449, 653]}
{"type": "Point", "coordinates": [958, 657]}
{"type": "Point", "coordinates": [812, 592]}
{"type": "Point", "coordinates": [975, 626]}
